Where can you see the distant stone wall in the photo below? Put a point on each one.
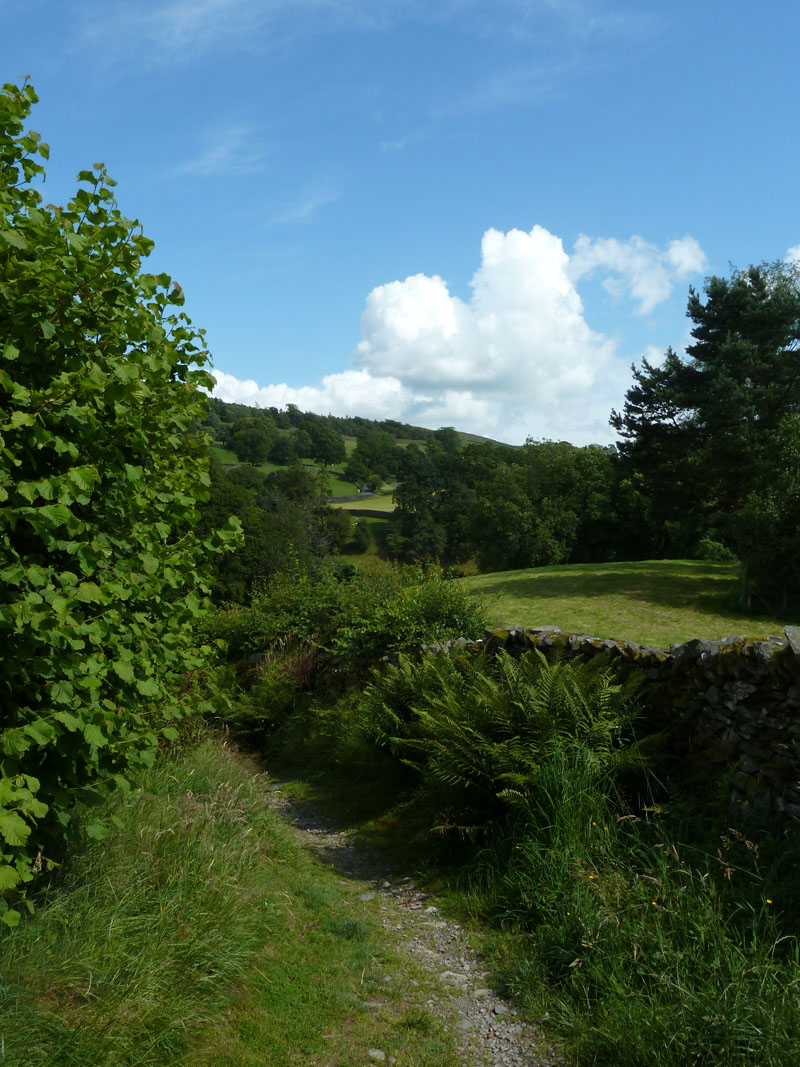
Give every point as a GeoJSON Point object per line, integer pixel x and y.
{"type": "Point", "coordinates": [730, 707]}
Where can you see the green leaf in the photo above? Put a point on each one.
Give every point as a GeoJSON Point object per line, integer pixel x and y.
{"type": "Point", "coordinates": [97, 831]}
{"type": "Point", "coordinates": [11, 237]}
{"type": "Point", "coordinates": [41, 731]}
{"type": "Point", "coordinates": [37, 575]}
{"type": "Point", "coordinates": [20, 393]}
{"type": "Point", "coordinates": [56, 515]}
{"type": "Point", "coordinates": [148, 687]}
{"type": "Point", "coordinates": [13, 575]}
{"type": "Point", "coordinates": [19, 419]}
{"type": "Point", "coordinates": [75, 240]}
{"type": "Point", "coordinates": [14, 742]}
{"type": "Point", "coordinates": [13, 828]}
{"type": "Point", "coordinates": [83, 478]}
{"type": "Point", "coordinates": [94, 735]}
{"type": "Point", "coordinates": [124, 670]}
{"type": "Point", "coordinates": [89, 593]}
{"type": "Point", "coordinates": [11, 917]}
{"type": "Point", "coordinates": [9, 878]}
{"type": "Point", "coordinates": [61, 692]}
{"type": "Point", "coordinates": [48, 328]}
{"type": "Point", "coordinates": [67, 720]}
{"type": "Point", "coordinates": [28, 491]}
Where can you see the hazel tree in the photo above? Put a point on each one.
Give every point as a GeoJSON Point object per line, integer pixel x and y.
{"type": "Point", "coordinates": [101, 575]}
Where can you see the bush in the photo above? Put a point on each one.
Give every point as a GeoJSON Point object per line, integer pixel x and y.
{"type": "Point", "coordinates": [356, 620]}
{"type": "Point", "coordinates": [101, 578]}
{"type": "Point", "coordinates": [714, 551]}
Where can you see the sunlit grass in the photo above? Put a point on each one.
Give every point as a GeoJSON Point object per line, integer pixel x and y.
{"type": "Point", "coordinates": [224, 456]}
{"type": "Point", "coordinates": [379, 502]}
{"type": "Point", "coordinates": [198, 933]}
{"type": "Point", "coordinates": [655, 602]}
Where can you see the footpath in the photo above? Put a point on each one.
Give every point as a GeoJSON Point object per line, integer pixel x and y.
{"type": "Point", "coordinates": [487, 1029]}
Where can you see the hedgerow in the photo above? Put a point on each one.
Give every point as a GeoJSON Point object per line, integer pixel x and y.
{"type": "Point", "coordinates": [101, 577]}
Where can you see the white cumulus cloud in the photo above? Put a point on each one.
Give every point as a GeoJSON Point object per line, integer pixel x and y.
{"type": "Point", "coordinates": [517, 359]}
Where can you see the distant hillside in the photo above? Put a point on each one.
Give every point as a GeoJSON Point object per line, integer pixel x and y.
{"type": "Point", "coordinates": [221, 413]}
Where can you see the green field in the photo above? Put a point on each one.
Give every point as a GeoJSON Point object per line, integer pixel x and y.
{"type": "Point", "coordinates": [655, 602]}
{"type": "Point", "coordinates": [224, 456]}
{"type": "Point", "coordinates": [337, 486]}
{"type": "Point", "coordinates": [381, 502]}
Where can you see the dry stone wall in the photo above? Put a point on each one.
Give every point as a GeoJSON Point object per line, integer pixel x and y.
{"type": "Point", "coordinates": [731, 708]}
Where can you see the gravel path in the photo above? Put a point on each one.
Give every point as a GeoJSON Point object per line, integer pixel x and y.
{"type": "Point", "coordinates": [488, 1031]}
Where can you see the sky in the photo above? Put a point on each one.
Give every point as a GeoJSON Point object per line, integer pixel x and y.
{"type": "Point", "coordinates": [476, 213]}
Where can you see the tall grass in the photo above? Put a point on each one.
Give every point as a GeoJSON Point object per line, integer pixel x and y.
{"type": "Point", "coordinates": [140, 943]}
{"type": "Point", "coordinates": [639, 949]}
{"type": "Point", "coordinates": [198, 933]}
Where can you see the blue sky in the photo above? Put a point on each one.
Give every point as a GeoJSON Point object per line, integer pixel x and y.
{"type": "Point", "coordinates": [456, 212]}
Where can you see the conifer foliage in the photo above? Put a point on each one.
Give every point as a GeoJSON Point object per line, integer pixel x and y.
{"type": "Point", "coordinates": [101, 576]}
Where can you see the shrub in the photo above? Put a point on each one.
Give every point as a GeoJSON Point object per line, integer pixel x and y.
{"type": "Point", "coordinates": [356, 617]}
{"type": "Point", "coordinates": [714, 551]}
{"type": "Point", "coordinates": [101, 576]}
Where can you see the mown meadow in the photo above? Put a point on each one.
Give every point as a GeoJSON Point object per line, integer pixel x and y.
{"type": "Point", "coordinates": [654, 602]}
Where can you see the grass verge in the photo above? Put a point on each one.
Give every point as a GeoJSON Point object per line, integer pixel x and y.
{"type": "Point", "coordinates": [656, 602]}
{"type": "Point", "coordinates": [198, 932]}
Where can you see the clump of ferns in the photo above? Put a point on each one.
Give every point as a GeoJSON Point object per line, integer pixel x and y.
{"type": "Point", "coordinates": [479, 730]}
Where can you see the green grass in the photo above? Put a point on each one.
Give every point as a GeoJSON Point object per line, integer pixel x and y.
{"type": "Point", "coordinates": [379, 502]}
{"type": "Point", "coordinates": [199, 933]}
{"type": "Point", "coordinates": [338, 485]}
{"type": "Point", "coordinates": [655, 602]}
{"type": "Point", "coordinates": [224, 456]}
{"type": "Point", "coordinates": [643, 952]}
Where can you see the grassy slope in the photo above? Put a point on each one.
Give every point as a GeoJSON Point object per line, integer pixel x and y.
{"type": "Point", "coordinates": [655, 602]}
{"type": "Point", "coordinates": [198, 933]}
